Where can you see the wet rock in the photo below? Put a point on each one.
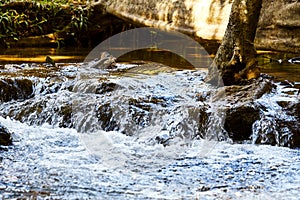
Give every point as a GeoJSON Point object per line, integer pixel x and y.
{"type": "Point", "coordinates": [241, 111]}
{"type": "Point", "coordinates": [278, 123]}
{"type": "Point", "coordinates": [49, 88]}
{"type": "Point", "coordinates": [106, 87]}
{"type": "Point", "coordinates": [239, 121]}
{"type": "Point", "coordinates": [104, 114]}
{"type": "Point", "coordinates": [5, 136]}
{"type": "Point", "coordinates": [163, 138]}
{"type": "Point", "coordinates": [203, 121]}
{"type": "Point", "coordinates": [106, 61]}
{"type": "Point", "coordinates": [263, 111]}
{"type": "Point", "coordinates": [65, 111]}
{"type": "Point", "coordinates": [53, 109]}
{"type": "Point", "coordinates": [238, 94]}
{"type": "Point", "coordinates": [277, 132]}
{"type": "Point", "coordinates": [15, 89]}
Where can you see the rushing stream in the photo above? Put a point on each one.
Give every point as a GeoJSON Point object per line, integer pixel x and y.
{"type": "Point", "coordinates": [53, 163]}
{"type": "Point", "coordinates": [146, 130]}
{"type": "Point", "coordinates": [132, 132]}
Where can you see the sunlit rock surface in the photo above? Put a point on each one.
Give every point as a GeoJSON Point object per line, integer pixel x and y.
{"type": "Point", "coordinates": [278, 27]}
{"type": "Point", "coordinates": [204, 19]}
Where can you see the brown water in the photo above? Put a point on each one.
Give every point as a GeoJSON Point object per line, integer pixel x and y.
{"type": "Point", "coordinates": [268, 60]}
{"type": "Point", "coordinates": [38, 55]}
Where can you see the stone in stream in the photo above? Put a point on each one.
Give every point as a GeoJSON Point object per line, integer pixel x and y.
{"type": "Point", "coordinates": [106, 61]}
{"type": "Point", "coordinates": [277, 132]}
{"type": "Point", "coordinates": [49, 60]}
{"type": "Point", "coordinates": [279, 118]}
{"type": "Point", "coordinates": [5, 136]}
{"type": "Point", "coordinates": [241, 108]}
{"type": "Point", "coordinates": [254, 111]}
{"type": "Point", "coordinates": [239, 121]}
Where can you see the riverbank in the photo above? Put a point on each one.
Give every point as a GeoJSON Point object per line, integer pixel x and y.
{"type": "Point", "coordinates": [55, 24]}
{"type": "Point", "coordinates": [70, 23]}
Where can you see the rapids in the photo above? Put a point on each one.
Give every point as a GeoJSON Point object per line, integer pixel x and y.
{"type": "Point", "coordinates": [135, 133]}
{"type": "Point", "coordinates": [53, 163]}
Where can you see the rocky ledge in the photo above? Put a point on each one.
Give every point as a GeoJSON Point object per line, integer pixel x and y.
{"type": "Point", "coordinates": [261, 111]}
{"type": "Point", "coordinates": [265, 112]}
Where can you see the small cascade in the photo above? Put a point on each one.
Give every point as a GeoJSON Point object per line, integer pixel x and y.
{"type": "Point", "coordinates": [279, 123]}
{"type": "Point", "coordinates": [163, 106]}
{"type": "Point", "coordinates": [158, 108]}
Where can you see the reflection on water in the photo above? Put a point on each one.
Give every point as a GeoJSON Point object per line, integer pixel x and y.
{"type": "Point", "coordinates": [268, 61]}
{"type": "Point", "coordinates": [277, 65]}
{"type": "Point", "coordinates": [38, 55]}
{"type": "Point", "coordinates": [164, 57]}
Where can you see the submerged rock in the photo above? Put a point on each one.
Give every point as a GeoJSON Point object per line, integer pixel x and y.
{"type": "Point", "coordinates": [241, 108]}
{"type": "Point", "coordinates": [278, 123]}
{"type": "Point", "coordinates": [5, 136]}
{"type": "Point", "coordinates": [54, 109]}
{"type": "Point", "coordinates": [278, 127]}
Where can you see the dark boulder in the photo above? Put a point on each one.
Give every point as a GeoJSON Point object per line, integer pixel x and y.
{"type": "Point", "coordinates": [5, 136]}
{"type": "Point", "coordinates": [241, 110]}
{"type": "Point", "coordinates": [239, 121]}
{"type": "Point", "coordinates": [264, 111]}
{"type": "Point", "coordinates": [106, 87]}
{"type": "Point", "coordinates": [105, 116]}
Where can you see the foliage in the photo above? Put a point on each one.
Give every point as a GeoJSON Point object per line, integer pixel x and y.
{"type": "Point", "coordinates": [21, 19]}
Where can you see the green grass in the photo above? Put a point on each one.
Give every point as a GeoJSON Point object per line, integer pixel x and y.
{"type": "Point", "coordinates": [33, 18]}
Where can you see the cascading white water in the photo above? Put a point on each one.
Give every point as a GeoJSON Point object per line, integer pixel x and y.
{"type": "Point", "coordinates": [152, 147]}
{"type": "Point", "coordinates": [152, 109]}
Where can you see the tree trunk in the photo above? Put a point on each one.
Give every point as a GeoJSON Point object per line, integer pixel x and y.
{"type": "Point", "coordinates": [235, 60]}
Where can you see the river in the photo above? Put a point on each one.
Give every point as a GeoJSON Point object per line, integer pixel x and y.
{"type": "Point", "coordinates": [268, 60]}
{"type": "Point", "coordinates": [53, 163]}
{"type": "Point", "coordinates": [144, 147]}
